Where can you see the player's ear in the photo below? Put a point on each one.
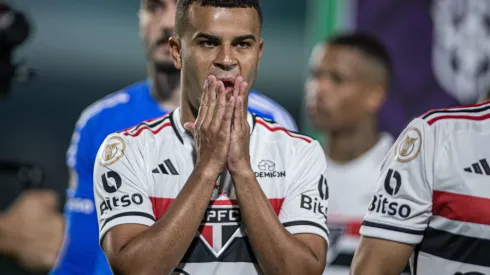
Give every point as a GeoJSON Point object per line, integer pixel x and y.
{"type": "Point", "coordinates": [261, 47]}
{"type": "Point", "coordinates": [375, 98]}
{"type": "Point", "coordinates": [175, 48]}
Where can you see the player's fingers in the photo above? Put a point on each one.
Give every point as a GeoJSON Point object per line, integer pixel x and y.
{"type": "Point", "coordinates": [213, 85]}
{"type": "Point", "coordinates": [236, 88]}
{"type": "Point", "coordinates": [228, 115]}
{"type": "Point", "coordinates": [239, 121]}
{"type": "Point", "coordinates": [47, 199]}
{"type": "Point", "coordinates": [220, 107]}
{"type": "Point", "coordinates": [204, 106]}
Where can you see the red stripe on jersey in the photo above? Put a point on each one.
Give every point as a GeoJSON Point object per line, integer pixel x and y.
{"type": "Point", "coordinates": [161, 205]}
{"type": "Point", "coordinates": [207, 232]}
{"type": "Point", "coordinates": [457, 107]}
{"type": "Point", "coordinates": [478, 118]}
{"type": "Point", "coordinates": [456, 207]}
{"type": "Point", "coordinates": [263, 123]}
{"type": "Point", "coordinates": [148, 128]}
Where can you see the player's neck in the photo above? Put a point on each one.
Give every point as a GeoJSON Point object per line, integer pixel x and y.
{"type": "Point", "coordinates": [349, 144]}
{"type": "Point", "coordinates": [187, 113]}
{"type": "Point", "coordinates": [165, 88]}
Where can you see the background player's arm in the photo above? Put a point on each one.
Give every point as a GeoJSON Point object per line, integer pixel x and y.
{"type": "Point", "coordinates": [377, 257]}
{"type": "Point", "coordinates": [80, 250]}
{"type": "Point", "coordinates": [301, 247]}
{"type": "Point", "coordinates": [401, 207]}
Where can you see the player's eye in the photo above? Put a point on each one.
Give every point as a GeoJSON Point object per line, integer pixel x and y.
{"type": "Point", "coordinates": [242, 44]}
{"type": "Point", "coordinates": [336, 78]}
{"type": "Point", "coordinates": [208, 44]}
{"type": "Point", "coordinates": [153, 5]}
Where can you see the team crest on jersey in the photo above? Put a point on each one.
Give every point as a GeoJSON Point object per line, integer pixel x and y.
{"type": "Point", "coordinates": [460, 47]}
{"type": "Point", "coordinates": [409, 147]}
{"type": "Point", "coordinates": [220, 225]}
{"type": "Point", "coordinates": [113, 151]}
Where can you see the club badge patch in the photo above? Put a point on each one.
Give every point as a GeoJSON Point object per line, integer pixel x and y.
{"type": "Point", "coordinates": [409, 148]}
{"type": "Point", "coordinates": [113, 151]}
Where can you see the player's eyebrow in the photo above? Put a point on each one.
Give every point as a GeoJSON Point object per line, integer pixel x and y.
{"type": "Point", "coordinates": [207, 36]}
{"type": "Point", "coordinates": [244, 37]}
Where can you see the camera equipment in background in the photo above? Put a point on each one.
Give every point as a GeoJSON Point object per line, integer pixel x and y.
{"type": "Point", "coordinates": [14, 30]}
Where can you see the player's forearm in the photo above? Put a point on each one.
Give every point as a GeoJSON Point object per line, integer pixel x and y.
{"type": "Point", "coordinates": [277, 250]}
{"type": "Point", "coordinates": [159, 249]}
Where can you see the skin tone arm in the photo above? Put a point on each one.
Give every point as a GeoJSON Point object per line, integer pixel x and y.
{"type": "Point", "coordinates": [380, 257]}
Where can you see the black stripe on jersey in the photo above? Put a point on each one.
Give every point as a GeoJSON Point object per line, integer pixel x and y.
{"type": "Point", "coordinates": [238, 251]}
{"type": "Point", "coordinates": [151, 125]}
{"type": "Point", "coordinates": [308, 223]}
{"type": "Point", "coordinates": [458, 248]}
{"type": "Point", "coordinates": [254, 121]}
{"type": "Point", "coordinates": [461, 110]}
{"type": "Point", "coordinates": [175, 128]}
{"type": "Point", "coordinates": [132, 213]}
{"type": "Point", "coordinates": [393, 228]}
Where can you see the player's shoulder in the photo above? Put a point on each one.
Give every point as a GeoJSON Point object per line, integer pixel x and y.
{"type": "Point", "coordinates": [152, 131]}
{"type": "Point", "coordinates": [270, 131]}
{"type": "Point", "coordinates": [264, 106]}
{"type": "Point", "coordinates": [446, 121]}
{"type": "Point", "coordinates": [110, 104]}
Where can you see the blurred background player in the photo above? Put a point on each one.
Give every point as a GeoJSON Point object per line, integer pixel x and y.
{"type": "Point", "coordinates": [81, 253]}
{"type": "Point", "coordinates": [349, 76]}
{"type": "Point", "coordinates": [438, 168]}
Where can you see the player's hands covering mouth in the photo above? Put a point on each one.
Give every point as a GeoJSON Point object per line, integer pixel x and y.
{"type": "Point", "coordinates": [221, 130]}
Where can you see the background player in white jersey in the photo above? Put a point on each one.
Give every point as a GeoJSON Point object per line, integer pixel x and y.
{"type": "Point", "coordinates": [432, 203]}
{"type": "Point", "coordinates": [484, 97]}
{"type": "Point", "coordinates": [217, 44]}
{"type": "Point", "coordinates": [348, 79]}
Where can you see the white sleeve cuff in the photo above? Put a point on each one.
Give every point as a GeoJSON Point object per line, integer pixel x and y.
{"type": "Point", "coordinates": [124, 218]}
{"type": "Point", "coordinates": [391, 232]}
{"type": "Point", "coordinates": [305, 227]}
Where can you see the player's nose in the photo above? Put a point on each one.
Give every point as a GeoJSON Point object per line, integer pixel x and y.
{"type": "Point", "coordinates": [225, 60]}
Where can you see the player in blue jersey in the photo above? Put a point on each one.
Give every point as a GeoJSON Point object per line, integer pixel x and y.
{"type": "Point", "coordinates": [81, 253]}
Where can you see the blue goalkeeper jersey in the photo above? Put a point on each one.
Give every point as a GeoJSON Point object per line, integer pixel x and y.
{"type": "Point", "coordinates": [81, 253]}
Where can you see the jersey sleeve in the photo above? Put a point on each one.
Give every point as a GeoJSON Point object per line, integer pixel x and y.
{"type": "Point", "coordinates": [284, 118]}
{"type": "Point", "coordinates": [120, 185]}
{"type": "Point", "coordinates": [304, 209]}
{"type": "Point", "coordinates": [80, 250]}
{"type": "Point", "coordinates": [402, 202]}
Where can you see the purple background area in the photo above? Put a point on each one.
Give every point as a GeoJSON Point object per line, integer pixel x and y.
{"type": "Point", "coordinates": [408, 38]}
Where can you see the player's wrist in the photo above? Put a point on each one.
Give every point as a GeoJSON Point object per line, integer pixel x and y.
{"type": "Point", "coordinates": [243, 172]}
{"type": "Point", "coordinates": [206, 172]}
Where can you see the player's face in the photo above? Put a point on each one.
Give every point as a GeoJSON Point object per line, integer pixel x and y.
{"type": "Point", "coordinates": [157, 23]}
{"type": "Point", "coordinates": [224, 42]}
{"type": "Point", "coordinates": [336, 88]}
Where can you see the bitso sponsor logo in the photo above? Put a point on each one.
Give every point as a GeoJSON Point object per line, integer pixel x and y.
{"type": "Point", "coordinates": [111, 181]}
{"type": "Point", "coordinates": [124, 201]}
{"type": "Point", "coordinates": [385, 205]}
{"type": "Point", "coordinates": [268, 170]}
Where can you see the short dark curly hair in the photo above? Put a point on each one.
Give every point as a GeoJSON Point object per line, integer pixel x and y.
{"type": "Point", "coordinates": [367, 44]}
{"type": "Point", "coordinates": [183, 7]}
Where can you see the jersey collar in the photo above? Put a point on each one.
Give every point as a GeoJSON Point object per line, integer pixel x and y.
{"type": "Point", "coordinates": [185, 137]}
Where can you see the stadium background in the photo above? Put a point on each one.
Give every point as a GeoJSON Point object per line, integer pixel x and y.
{"type": "Point", "coordinates": [83, 50]}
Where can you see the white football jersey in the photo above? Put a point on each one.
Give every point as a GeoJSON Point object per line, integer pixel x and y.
{"type": "Point", "coordinates": [140, 171]}
{"type": "Point", "coordinates": [434, 192]}
{"type": "Point", "coordinates": [352, 186]}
